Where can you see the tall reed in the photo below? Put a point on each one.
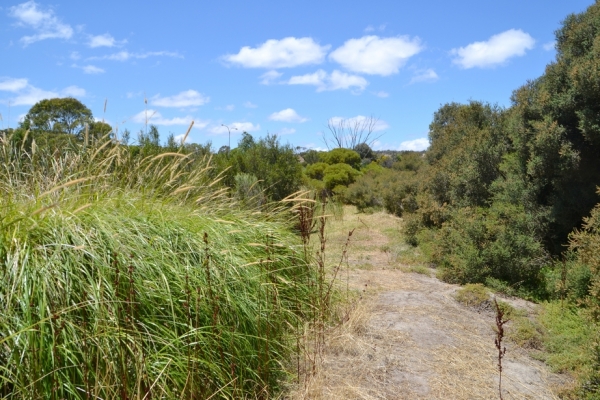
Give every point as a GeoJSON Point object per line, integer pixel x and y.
{"type": "Point", "coordinates": [130, 275]}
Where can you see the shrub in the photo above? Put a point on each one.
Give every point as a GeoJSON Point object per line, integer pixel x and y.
{"type": "Point", "coordinates": [342, 156]}
{"type": "Point", "coordinates": [316, 171]}
{"type": "Point", "coordinates": [478, 243]}
{"type": "Point", "coordinates": [472, 295]}
{"type": "Point", "coordinates": [247, 190]}
{"type": "Point", "coordinates": [339, 174]}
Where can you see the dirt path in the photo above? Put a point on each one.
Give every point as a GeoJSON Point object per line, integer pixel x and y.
{"type": "Point", "coordinates": [407, 337]}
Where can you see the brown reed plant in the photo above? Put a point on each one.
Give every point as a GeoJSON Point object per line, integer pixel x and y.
{"type": "Point", "coordinates": [500, 321]}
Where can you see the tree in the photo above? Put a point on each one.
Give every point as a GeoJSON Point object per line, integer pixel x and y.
{"type": "Point", "coordinates": [59, 115]}
{"type": "Point", "coordinates": [364, 150]}
{"type": "Point", "coordinates": [99, 129]}
{"type": "Point", "coordinates": [349, 132]}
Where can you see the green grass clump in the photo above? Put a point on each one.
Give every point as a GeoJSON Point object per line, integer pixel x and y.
{"type": "Point", "coordinates": [125, 277]}
{"type": "Point", "coordinates": [472, 295]}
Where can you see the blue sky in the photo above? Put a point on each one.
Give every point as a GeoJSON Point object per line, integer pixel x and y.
{"type": "Point", "coordinates": [278, 67]}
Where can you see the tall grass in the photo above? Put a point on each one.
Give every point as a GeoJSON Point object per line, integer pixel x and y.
{"type": "Point", "coordinates": [124, 276]}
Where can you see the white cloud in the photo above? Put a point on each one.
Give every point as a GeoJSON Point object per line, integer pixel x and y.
{"type": "Point", "coordinates": [179, 138]}
{"type": "Point", "coordinates": [89, 69]}
{"type": "Point", "coordinates": [371, 28]}
{"type": "Point", "coordinates": [427, 75]}
{"type": "Point", "coordinates": [13, 84]}
{"type": "Point", "coordinates": [550, 45]}
{"type": "Point", "coordinates": [156, 118]}
{"type": "Point", "coordinates": [284, 53]}
{"type": "Point", "coordinates": [125, 55]}
{"type": "Point", "coordinates": [105, 40]}
{"type": "Point", "coordinates": [382, 94]}
{"type": "Point", "coordinates": [249, 104]}
{"type": "Point", "coordinates": [75, 55]}
{"type": "Point", "coordinates": [269, 77]}
{"type": "Point", "coordinates": [234, 126]}
{"type": "Point", "coordinates": [415, 145]}
{"type": "Point", "coordinates": [73, 91]}
{"type": "Point", "coordinates": [27, 94]}
{"type": "Point", "coordinates": [188, 98]}
{"type": "Point", "coordinates": [316, 79]}
{"type": "Point", "coordinates": [376, 56]}
{"type": "Point", "coordinates": [44, 22]}
{"type": "Point", "coordinates": [358, 121]}
{"type": "Point", "coordinates": [497, 50]}
{"type": "Point", "coordinates": [287, 115]}
{"type": "Point", "coordinates": [229, 107]}
{"type": "Point", "coordinates": [334, 81]}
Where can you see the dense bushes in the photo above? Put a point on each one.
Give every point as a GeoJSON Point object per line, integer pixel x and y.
{"type": "Point", "coordinates": [275, 165]}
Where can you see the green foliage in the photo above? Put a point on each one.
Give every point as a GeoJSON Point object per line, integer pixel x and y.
{"type": "Point", "coordinates": [339, 175]}
{"type": "Point", "coordinates": [409, 161]}
{"type": "Point", "coordinates": [59, 115]}
{"type": "Point", "coordinates": [499, 242]}
{"type": "Point", "coordinates": [311, 157]}
{"type": "Point", "coordinates": [364, 151]}
{"type": "Point", "coordinates": [247, 190]}
{"type": "Point", "coordinates": [473, 295]}
{"type": "Point", "coordinates": [128, 277]}
{"type": "Point", "coordinates": [341, 156]}
{"type": "Point", "coordinates": [275, 165]}
{"type": "Point", "coordinates": [316, 170]}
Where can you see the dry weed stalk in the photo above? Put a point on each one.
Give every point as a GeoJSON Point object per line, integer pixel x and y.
{"type": "Point", "coordinates": [500, 321]}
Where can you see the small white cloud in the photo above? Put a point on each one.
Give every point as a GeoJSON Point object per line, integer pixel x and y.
{"type": "Point", "coordinates": [105, 40]}
{"type": "Point", "coordinates": [313, 146]}
{"type": "Point", "coordinates": [427, 75]}
{"type": "Point", "coordinates": [27, 94]}
{"type": "Point", "coordinates": [233, 127]}
{"type": "Point", "coordinates": [229, 107]}
{"type": "Point", "coordinates": [317, 78]}
{"type": "Point", "coordinates": [269, 77]}
{"type": "Point", "coordinates": [75, 56]}
{"type": "Point", "coordinates": [360, 120]}
{"type": "Point", "coordinates": [285, 53]}
{"type": "Point", "coordinates": [550, 45]}
{"type": "Point", "coordinates": [415, 145]}
{"type": "Point", "coordinates": [376, 56]}
{"type": "Point", "coordinates": [43, 22]}
{"type": "Point", "coordinates": [125, 55]}
{"type": "Point", "coordinates": [89, 69]}
{"type": "Point", "coordinates": [382, 94]}
{"type": "Point", "coordinates": [496, 51]}
{"type": "Point", "coordinates": [13, 84]}
{"type": "Point", "coordinates": [334, 81]}
{"type": "Point", "coordinates": [179, 138]}
{"type": "Point", "coordinates": [249, 104]}
{"type": "Point", "coordinates": [156, 118]}
{"type": "Point", "coordinates": [188, 98]}
{"type": "Point", "coordinates": [73, 91]}
{"type": "Point", "coordinates": [287, 115]}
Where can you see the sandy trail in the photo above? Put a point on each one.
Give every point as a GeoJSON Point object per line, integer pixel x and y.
{"type": "Point", "coordinates": [408, 338]}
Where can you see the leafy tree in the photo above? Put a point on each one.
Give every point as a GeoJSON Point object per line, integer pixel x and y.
{"type": "Point", "coordinates": [316, 171]}
{"type": "Point", "coordinates": [59, 115]}
{"type": "Point", "coordinates": [99, 129]}
{"type": "Point", "coordinates": [364, 151]}
{"type": "Point", "coordinates": [339, 175]}
{"type": "Point", "coordinates": [343, 156]}
{"type": "Point", "coordinates": [273, 164]}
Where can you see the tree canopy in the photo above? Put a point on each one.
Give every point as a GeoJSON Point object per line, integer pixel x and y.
{"type": "Point", "coordinates": [58, 115]}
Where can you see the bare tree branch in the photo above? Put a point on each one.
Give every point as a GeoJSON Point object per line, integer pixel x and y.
{"type": "Point", "coordinates": [350, 132]}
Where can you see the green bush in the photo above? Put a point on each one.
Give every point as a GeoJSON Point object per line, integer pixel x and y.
{"type": "Point", "coordinates": [316, 170]}
{"type": "Point", "coordinates": [342, 156]}
{"type": "Point", "coordinates": [339, 174]}
{"type": "Point", "coordinates": [477, 243]}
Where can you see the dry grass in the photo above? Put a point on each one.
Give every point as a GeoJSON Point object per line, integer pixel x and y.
{"type": "Point", "coordinates": [408, 337]}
